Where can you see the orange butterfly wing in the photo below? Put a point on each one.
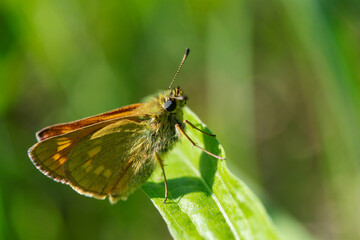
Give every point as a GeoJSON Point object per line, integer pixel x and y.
{"type": "Point", "coordinates": [63, 128]}
{"type": "Point", "coordinates": [50, 155]}
{"type": "Point", "coordinates": [95, 155]}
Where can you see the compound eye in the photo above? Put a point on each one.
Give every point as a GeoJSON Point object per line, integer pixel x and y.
{"type": "Point", "coordinates": [170, 105]}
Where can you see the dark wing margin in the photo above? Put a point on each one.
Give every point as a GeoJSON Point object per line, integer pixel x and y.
{"type": "Point", "coordinates": [63, 128]}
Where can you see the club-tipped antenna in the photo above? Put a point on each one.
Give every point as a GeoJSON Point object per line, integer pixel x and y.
{"type": "Point", "coordinates": [182, 62]}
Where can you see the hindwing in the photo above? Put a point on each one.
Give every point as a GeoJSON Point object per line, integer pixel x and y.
{"type": "Point", "coordinates": [98, 160]}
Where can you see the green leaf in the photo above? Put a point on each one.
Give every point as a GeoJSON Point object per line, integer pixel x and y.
{"type": "Point", "coordinates": [205, 200]}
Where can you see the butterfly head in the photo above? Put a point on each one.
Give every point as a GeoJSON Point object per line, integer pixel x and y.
{"type": "Point", "coordinates": [174, 99]}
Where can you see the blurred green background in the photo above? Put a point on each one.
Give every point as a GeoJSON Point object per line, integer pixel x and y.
{"type": "Point", "coordinates": [277, 81]}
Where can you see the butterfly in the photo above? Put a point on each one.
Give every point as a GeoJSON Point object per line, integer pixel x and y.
{"type": "Point", "coordinates": [114, 153]}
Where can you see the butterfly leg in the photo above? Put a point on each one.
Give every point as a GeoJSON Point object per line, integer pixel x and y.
{"type": "Point", "coordinates": [193, 126]}
{"type": "Point", "coordinates": [163, 170]}
{"type": "Point", "coordinates": [194, 144]}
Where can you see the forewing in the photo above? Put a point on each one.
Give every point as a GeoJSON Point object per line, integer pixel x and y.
{"type": "Point", "coordinates": [92, 160]}
{"type": "Point", "coordinates": [63, 128]}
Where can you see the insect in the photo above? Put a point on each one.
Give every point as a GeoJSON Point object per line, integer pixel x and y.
{"type": "Point", "coordinates": [114, 153]}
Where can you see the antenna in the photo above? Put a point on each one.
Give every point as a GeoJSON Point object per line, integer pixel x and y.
{"type": "Point", "coordinates": [182, 62]}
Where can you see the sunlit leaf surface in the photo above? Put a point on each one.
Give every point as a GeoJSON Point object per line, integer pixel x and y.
{"type": "Point", "coordinates": [205, 199]}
